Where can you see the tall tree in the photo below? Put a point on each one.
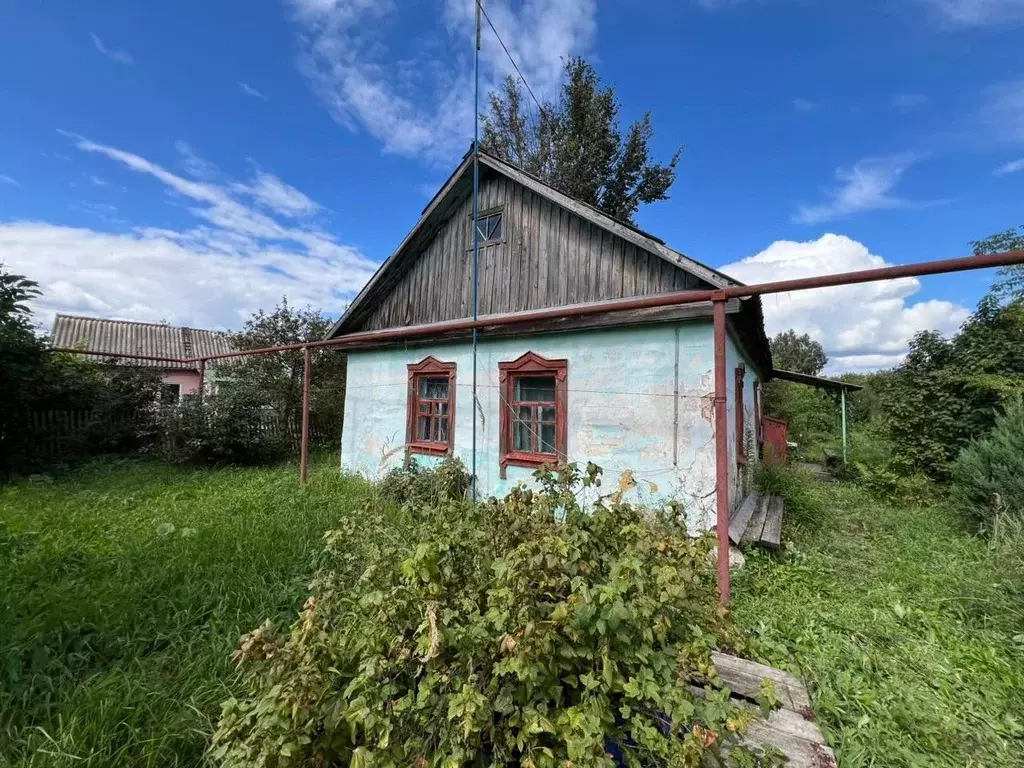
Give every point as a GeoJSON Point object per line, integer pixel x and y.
{"type": "Point", "coordinates": [576, 145]}
{"type": "Point", "coordinates": [21, 357]}
{"type": "Point", "coordinates": [798, 352]}
{"type": "Point", "coordinates": [1009, 283]}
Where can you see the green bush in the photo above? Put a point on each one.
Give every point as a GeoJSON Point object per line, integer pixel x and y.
{"type": "Point", "coordinates": [988, 476]}
{"type": "Point", "coordinates": [517, 632]}
{"type": "Point", "coordinates": [446, 481]}
{"type": "Point", "coordinates": [227, 429]}
{"type": "Point", "coordinates": [804, 505]}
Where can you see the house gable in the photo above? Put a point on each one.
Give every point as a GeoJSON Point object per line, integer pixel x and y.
{"type": "Point", "coordinates": [552, 251]}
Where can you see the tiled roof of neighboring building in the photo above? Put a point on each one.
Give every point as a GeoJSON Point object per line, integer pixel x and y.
{"type": "Point", "coordinates": [96, 334]}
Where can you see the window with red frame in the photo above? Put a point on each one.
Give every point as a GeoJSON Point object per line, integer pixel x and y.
{"type": "Point", "coordinates": [741, 438]}
{"type": "Point", "coordinates": [533, 416]}
{"type": "Point", "coordinates": [431, 408]}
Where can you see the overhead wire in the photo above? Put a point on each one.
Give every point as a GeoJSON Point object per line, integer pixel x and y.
{"type": "Point", "coordinates": [504, 47]}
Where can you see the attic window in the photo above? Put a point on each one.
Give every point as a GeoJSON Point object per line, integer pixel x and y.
{"type": "Point", "coordinates": [490, 225]}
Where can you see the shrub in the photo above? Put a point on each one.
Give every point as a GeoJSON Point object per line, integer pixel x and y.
{"type": "Point", "coordinates": [988, 476]}
{"type": "Point", "coordinates": [798, 488]}
{"type": "Point", "coordinates": [227, 429]}
{"type": "Point", "coordinates": [446, 481]}
{"type": "Point", "coordinates": [522, 631]}
{"type": "Point", "coordinates": [896, 482]}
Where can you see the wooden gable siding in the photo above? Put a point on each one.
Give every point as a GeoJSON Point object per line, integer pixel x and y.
{"type": "Point", "coordinates": [548, 257]}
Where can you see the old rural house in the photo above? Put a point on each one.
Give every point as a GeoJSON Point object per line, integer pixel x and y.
{"type": "Point", "coordinates": [122, 337]}
{"type": "Point", "coordinates": [626, 389]}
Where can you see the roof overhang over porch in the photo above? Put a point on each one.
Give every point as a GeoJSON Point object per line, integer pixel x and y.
{"type": "Point", "coordinates": [832, 385]}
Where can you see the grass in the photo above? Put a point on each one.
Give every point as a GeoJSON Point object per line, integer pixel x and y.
{"type": "Point", "coordinates": [906, 629]}
{"type": "Point", "coordinates": [115, 631]}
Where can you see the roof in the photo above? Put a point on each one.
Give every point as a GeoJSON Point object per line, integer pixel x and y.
{"type": "Point", "coordinates": [815, 381]}
{"type": "Point", "coordinates": [436, 209]}
{"type": "Point", "coordinates": [97, 334]}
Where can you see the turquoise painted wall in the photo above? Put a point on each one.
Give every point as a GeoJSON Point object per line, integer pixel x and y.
{"type": "Point", "coordinates": [621, 386]}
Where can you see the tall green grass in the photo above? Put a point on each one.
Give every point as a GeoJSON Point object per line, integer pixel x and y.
{"type": "Point", "coordinates": [908, 630]}
{"type": "Point", "coordinates": [123, 590]}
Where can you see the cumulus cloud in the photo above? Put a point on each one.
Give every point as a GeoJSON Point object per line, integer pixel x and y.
{"type": "Point", "coordinates": [862, 327]}
{"type": "Point", "coordinates": [978, 12]}
{"type": "Point", "coordinates": [236, 260]}
{"type": "Point", "coordinates": [864, 186]}
{"type": "Point", "coordinates": [121, 57]}
{"type": "Point", "coordinates": [421, 105]}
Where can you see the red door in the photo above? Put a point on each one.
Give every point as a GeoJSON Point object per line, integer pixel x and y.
{"type": "Point", "coordinates": [776, 438]}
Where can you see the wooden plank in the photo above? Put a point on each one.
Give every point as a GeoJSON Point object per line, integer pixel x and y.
{"type": "Point", "coordinates": [740, 518]}
{"type": "Point", "coordinates": [752, 534]}
{"type": "Point", "coordinates": [800, 753]}
{"type": "Point", "coordinates": [744, 679]}
{"type": "Point", "coordinates": [772, 534]}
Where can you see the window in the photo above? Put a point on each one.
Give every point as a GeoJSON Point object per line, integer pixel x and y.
{"type": "Point", "coordinates": [533, 413]}
{"type": "Point", "coordinates": [170, 394]}
{"type": "Point", "coordinates": [490, 225]}
{"type": "Point", "coordinates": [431, 408]}
{"type": "Point", "coordinates": [741, 438]}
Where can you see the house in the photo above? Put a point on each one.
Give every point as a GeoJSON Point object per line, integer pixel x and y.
{"type": "Point", "coordinates": [124, 337]}
{"type": "Point", "coordinates": [629, 389]}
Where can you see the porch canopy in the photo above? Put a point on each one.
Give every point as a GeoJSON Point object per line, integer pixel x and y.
{"type": "Point", "coordinates": [833, 386]}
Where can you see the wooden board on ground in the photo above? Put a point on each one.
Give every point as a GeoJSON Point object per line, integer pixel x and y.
{"type": "Point", "coordinates": [738, 521]}
{"type": "Point", "coordinates": [753, 533]}
{"type": "Point", "coordinates": [771, 536]}
{"type": "Point", "coordinates": [790, 729]}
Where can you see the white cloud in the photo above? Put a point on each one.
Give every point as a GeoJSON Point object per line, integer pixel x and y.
{"type": "Point", "coordinates": [804, 105]}
{"type": "Point", "coordinates": [978, 12]}
{"type": "Point", "coordinates": [419, 105]}
{"type": "Point", "coordinates": [212, 275]}
{"type": "Point", "coordinates": [865, 186]}
{"type": "Point", "coordinates": [862, 327]}
{"type": "Point", "coordinates": [250, 91]}
{"type": "Point", "coordinates": [5, 179]}
{"type": "Point", "coordinates": [271, 192]}
{"type": "Point", "coordinates": [1011, 167]}
{"type": "Point", "coordinates": [97, 181]}
{"type": "Point", "coordinates": [1002, 114]}
{"type": "Point", "coordinates": [193, 163]}
{"type": "Point", "coordinates": [121, 57]}
{"type": "Point", "coordinates": [906, 102]}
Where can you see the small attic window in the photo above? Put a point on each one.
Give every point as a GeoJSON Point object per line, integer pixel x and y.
{"type": "Point", "coordinates": [490, 225]}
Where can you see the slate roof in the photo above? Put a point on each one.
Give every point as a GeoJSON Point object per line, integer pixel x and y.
{"type": "Point", "coordinates": [96, 334]}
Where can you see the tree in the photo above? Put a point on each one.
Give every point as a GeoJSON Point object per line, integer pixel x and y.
{"type": "Point", "coordinates": [21, 356]}
{"type": "Point", "coordinates": [798, 352]}
{"type": "Point", "coordinates": [576, 145]}
{"type": "Point", "coordinates": [277, 377]}
{"type": "Point", "coordinates": [1009, 283]}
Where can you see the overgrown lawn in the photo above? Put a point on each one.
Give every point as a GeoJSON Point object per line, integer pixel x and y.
{"type": "Point", "coordinates": [908, 631]}
{"type": "Point", "coordinates": [124, 589]}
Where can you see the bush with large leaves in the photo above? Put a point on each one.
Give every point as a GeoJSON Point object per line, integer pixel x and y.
{"type": "Point", "coordinates": [523, 631]}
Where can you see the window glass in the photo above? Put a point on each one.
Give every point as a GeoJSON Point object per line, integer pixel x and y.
{"type": "Point", "coordinates": [547, 438]}
{"type": "Point", "coordinates": [535, 389]}
{"type": "Point", "coordinates": [490, 227]}
{"type": "Point", "coordinates": [522, 436]}
{"type": "Point", "coordinates": [434, 389]}
{"type": "Point", "coordinates": [423, 428]}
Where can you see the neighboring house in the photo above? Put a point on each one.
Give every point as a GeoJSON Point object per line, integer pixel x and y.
{"type": "Point", "coordinates": [624, 389]}
{"type": "Point", "coordinates": [95, 334]}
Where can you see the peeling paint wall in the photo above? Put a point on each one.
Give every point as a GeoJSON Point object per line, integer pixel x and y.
{"type": "Point", "coordinates": [621, 384]}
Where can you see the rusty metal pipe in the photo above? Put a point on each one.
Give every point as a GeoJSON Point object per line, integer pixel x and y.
{"type": "Point", "coordinates": [650, 302]}
{"type": "Point", "coordinates": [721, 453]}
{"type": "Point", "coordinates": [202, 379]}
{"type": "Point", "coordinates": [304, 446]}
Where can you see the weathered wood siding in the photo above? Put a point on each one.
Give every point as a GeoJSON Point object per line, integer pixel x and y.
{"type": "Point", "coordinates": [548, 257]}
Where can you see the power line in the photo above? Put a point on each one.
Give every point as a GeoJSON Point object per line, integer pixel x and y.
{"type": "Point", "coordinates": [519, 72]}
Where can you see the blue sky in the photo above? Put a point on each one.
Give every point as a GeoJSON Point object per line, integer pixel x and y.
{"type": "Point", "coordinates": [192, 162]}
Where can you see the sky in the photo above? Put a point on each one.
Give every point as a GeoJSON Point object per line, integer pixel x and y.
{"type": "Point", "coordinates": [192, 162]}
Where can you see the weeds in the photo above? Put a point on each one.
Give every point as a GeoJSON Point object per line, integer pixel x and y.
{"type": "Point", "coordinates": [907, 631]}
{"type": "Point", "coordinates": [123, 590]}
{"type": "Point", "coordinates": [802, 495]}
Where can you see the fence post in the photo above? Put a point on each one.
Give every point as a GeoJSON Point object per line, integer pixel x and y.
{"type": "Point", "coordinates": [304, 448]}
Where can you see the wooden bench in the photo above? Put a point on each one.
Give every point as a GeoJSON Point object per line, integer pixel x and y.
{"type": "Point", "coordinates": [758, 520]}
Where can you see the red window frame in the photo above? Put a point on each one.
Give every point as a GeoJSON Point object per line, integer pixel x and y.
{"type": "Point", "coordinates": [741, 442]}
{"type": "Point", "coordinates": [429, 368]}
{"type": "Point", "coordinates": [532, 364]}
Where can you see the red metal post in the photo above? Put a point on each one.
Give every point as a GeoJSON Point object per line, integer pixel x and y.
{"type": "Point", "coordinates": [304, 448]}
{"type": "Point", "coordinates": [721, 452]}
{"type": "Point", "coordinates": [202, 378]}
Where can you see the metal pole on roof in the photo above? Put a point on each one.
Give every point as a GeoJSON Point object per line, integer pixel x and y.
{"type": "Point", "coordinates": [476, 235]}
